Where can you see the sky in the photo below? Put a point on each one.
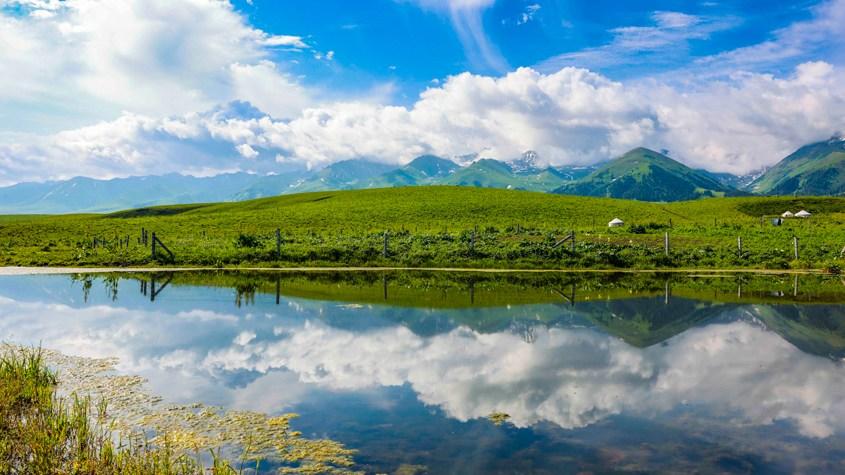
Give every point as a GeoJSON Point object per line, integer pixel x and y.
{"type": "Point", "coordinates": [112, 88]}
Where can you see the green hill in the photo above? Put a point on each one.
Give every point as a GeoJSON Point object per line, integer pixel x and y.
{"type": "Point", "coordinates": [815, 169]}
{"type": "Point", "coordinates": [341, 175]}
{"type": "Point", "coordinates": [646, 175]}
{"type": "Point", "coordinates": [423, 170]}
{"type": "Point", "coordinates": [489, 173]}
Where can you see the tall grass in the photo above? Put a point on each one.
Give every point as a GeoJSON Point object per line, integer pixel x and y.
{"type": "Point", "coordinates": [43, 432]}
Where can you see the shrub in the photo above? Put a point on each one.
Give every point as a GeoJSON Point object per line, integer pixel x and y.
{"type": "Point", "coordinates": [250, 241]}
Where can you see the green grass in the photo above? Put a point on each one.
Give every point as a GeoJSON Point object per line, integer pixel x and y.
{"type": "Point", "coordinates": [432, 227]}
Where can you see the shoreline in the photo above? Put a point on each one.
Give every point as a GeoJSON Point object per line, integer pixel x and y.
{"type": "Point", "coordinates": [698, 272]}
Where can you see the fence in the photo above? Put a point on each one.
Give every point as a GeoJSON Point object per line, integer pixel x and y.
{"type": "Point", "coordinates": [515, 242]}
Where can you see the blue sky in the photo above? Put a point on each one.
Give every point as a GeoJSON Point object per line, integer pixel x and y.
{"type": "Point", "coordinates": [411, 45]}
{"type": "Point", "coordinates": [108, 88]}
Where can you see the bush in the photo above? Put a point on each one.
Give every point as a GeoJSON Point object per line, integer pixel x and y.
{"type": "Point", "coordinates": [250, 241]}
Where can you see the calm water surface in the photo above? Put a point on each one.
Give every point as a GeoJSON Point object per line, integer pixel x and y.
{"type": "Point", "coordinates": [738, 374]}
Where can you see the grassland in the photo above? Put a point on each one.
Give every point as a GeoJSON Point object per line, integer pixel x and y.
{"type": "Point", "coordinates": [434, 227]}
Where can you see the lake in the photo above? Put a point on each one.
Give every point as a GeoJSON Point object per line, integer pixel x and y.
{"type": "Point", "coordinates": [589, 372]}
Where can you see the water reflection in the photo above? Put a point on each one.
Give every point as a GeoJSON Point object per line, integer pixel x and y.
{"type": "Point", "coordinates": [406, 367]}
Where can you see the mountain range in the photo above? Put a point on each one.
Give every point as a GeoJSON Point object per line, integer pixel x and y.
{"type": "Point", "coordinates": [646, 175]}
{"type": "Point", "coordinates": [640, 174]}
{"type": "Point", "coordinates": [814, 169]}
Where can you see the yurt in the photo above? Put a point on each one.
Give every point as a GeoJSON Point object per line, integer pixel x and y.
{"type": "Point", "coordinates": [788, 214]}
{"type": "Point", "coordinates": [615, 223]}
{"type": "Point", "coordinates": [803, 214]}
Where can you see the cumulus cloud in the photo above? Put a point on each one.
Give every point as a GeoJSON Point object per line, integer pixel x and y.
{"type": "Point", "coordinates": [754, 120]}
{"type": "Point", "coordinates": [246, 151]}
{"type": "Point", "coordinates": [573, 116]}
{"type": "Point", "coordinates": [92, 59]}
{"type": "Point", "coordinates": [154, 64]}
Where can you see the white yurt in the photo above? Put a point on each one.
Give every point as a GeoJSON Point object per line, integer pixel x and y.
{"type": "Point", "coordinates": [615, 223]}
{"type": "Point", "coordinates": [788, 214]}
{"type": "Point", "coordinates": [803, 214]}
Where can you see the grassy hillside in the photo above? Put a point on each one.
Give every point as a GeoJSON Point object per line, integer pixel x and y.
{"type": "Point", "coordinates": [342, 175]}
{"type": "Point", "coordinates": [646, 175]}
{"type": "Point", "coordinates": [432, 226]}
{"type": "Point", "coordinates": [489, 173]}
{"type": "Point", "coordinates": [422, 170]}
{"type": "Point", "coordinates": [815, 169]}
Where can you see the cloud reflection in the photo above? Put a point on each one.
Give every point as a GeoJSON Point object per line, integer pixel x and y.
{"type": "Point", "coordinates": [572, 377]}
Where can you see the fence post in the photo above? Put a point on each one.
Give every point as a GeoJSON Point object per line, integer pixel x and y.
{"type": "Point", "coordinates": [739, 245]}
{"type": "Point", "coordinates": [278, 243]}
{"type": "Point", "coordinates": [384, 251]}
{"type": "Point", "coordinates": [572, 233]}
{"type": "Point", "coordinates": [795, 246]}
{"type": "Point", "coordinates": [154, 246]}
{"type": "Point", "coordinates": [472, 240]}
{"type": "Point", "coordinates": [666, 244]}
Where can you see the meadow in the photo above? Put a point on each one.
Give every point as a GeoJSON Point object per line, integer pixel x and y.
{"type": "Point", "coordinates": [440, 227]}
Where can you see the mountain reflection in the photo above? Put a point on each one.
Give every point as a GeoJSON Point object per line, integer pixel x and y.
{"type": "Point", "coordinates": [614, 350]}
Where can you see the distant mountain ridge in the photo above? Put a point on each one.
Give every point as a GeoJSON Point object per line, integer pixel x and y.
{"type": "Point", "coordinates": [79, 195]}
{"type": "Point", "coordinates": [82, 194]}
{"type": "Point", "coordinates": [641, 174]}
{"type": "Point", "coordinates": [814, 169]}
{"type": "Point", "coordinates": [646, 175]}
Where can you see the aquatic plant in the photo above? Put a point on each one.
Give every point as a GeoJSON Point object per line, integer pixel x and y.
{"type": "Point", "coordinates": [49, 423]}
{"type": "Point", "coordinates": [498, 418]}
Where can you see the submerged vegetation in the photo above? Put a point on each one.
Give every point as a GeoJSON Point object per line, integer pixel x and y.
{"type": "Point", "coordinates": [441, 227]}
{"type": "Point", "coordinates": [61, 414]}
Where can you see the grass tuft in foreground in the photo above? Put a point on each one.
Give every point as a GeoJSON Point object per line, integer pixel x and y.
{"type": "Point", "coordinates": [45, 432]}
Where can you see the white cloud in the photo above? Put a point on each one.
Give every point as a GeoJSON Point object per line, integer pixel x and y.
{"type": "Point", "coordinates": [573, 116]}
{"type": "Point", "coordinates": [666, 19]}
{"type": "Point", "coordinates": [753, 120]}
{"type": "Point", "coordinates": [246, 151]}
{"type": "Point", "coordinates": [271, 90]}
{"type": "Point", "coordinates": [91, 59]}
{"type": "Point", "coordinates": [528, 14]}
{"type": "Point", "coordinates": [244, 338]}
{"type": "Point", "coordinates": [285, 40]}
{"type": "Point", "coordinates": [665, 42]}
{"type": "Point", "coordinates": [823, 35]}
